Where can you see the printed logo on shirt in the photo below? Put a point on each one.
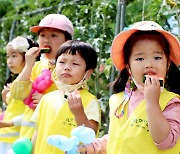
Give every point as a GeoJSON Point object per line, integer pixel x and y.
{"type": "Point", "coordinates": [140, 123]}
{"type": "Point", "coordinates": [70, 122]}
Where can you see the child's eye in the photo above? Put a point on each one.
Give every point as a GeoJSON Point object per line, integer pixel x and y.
{"type": "Point", "coordinates": [75, 64]}
{"type": "Point", "coordinates": [62, 62]}
{"type": "Point", "coordinates": [157, 58]}
{"type": "Point", "coordinates": [53, 35]}
{"type": "Point", "coordinates": [42, 35]}
{"type": "Point", "coordinates": [139, 59]}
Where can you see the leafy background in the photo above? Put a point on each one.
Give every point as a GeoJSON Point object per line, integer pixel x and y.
{"type": "Point", "coordinates": [94, 22]}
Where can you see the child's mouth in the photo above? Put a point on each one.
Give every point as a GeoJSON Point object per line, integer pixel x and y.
{"type": "Point", "coordinates": [150, 73]}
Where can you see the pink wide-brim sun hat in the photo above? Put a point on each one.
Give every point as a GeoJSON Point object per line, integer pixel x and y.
{"type": "Point", "coordinates": [120, 40]}
{"type": "Point", "coordinates": [57, 21]}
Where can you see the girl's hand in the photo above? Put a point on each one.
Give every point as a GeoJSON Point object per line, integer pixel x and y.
{"type": "Point", "coordinates": [82, 149]}
{"type": "Point", "coordinates": [36, 98]}
{"type": "Point", "coordinates": [152, 90]}
{"type": "Point", "coordinates": [31, 56]}
{"type": "Point", "coordinates": [30, 59]}
{"type": "Point", "coordinates": [2, 124]}
{"type": "Point", "coordinates": [5, 91]}
{"type": "Point", "coordinates": [6, 124]}
{"type": "Point", "coordinates": [75, 103]}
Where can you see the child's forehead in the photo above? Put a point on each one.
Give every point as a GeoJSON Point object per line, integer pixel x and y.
{"type": "Point", "coordinates": [13, 52]}
{"type": "Point", "coordinates": [146, 43]}
{"type": "Point", "coordinates": [69, 55]}
{"type": "Point", "coordinates": [10, 49]}
{"type": "Point", "coordinates": [49, 30]}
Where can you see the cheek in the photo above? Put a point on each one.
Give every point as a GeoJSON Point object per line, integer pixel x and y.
{"type": "Point", "coordinates": [21, 60]}
{"type": "Point", "coordinates": [40, 41]}
{"type": "Point", "coordinates": [58, 43]}
{"type": "Point", "coordinates": [58, 70]}
{"type": "Point", "coordinates": [57, 74]}
{"type": "Point", "coordinates": [163, 71]}
{"type": "Point", "coordinates": [22, 64]}
{"type": "Point", "coordinates": [19, 66]}
{"type": "Point", "coordinates": [82, 75]}
{"type": "Point", "coordinates": [55, 46]}
{"type": "Point", "coordinates": [133, 68]}
{"type": "Point", "coordinates": [60, 40]}
{"type": "Point", "coordinates": [163, 68]}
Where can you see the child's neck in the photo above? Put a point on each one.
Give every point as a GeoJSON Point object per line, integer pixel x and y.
{"type": "Point", "coordinates": [137, 91]}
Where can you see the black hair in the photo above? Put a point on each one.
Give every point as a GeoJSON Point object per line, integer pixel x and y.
{"type": "Point", "coordinates": [11, 78]}
{"type": "Point", "coordinates": [32, 43]}
{"type": "Point", "coordinates": [85, 50]}
{"type": "Point", "coordinates": [173, 79]}
{"type": "Point", "coordinates": [120, 82]}
{"type": "Point", "coordinates": [67, 35]}
{"type": "Point", "coordinates": [173, 73]}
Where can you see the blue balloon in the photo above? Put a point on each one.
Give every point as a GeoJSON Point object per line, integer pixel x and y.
{"type": "Point", "coordinates": [87, 136]}
{"type": "Point", "coordinates": [79, 135]}
{"type": "Point", "coordinates": [61, 142]}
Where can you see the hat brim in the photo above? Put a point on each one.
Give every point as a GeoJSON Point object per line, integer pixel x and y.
{"type": "Point", "coordinates": [36, 29]}
{"type": "Point", "coordinates": [119, 41]}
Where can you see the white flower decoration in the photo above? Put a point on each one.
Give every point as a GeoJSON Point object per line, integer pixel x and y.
{"type": "Point", "coordinates": [20, 43]}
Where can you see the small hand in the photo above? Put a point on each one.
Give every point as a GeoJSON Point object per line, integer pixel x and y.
{"type": "Point", "coordinates": [5, 91]}
{"type": "Point", "coordinates": [75, 103]}
{"type": "Point", "coordinates": [36, 97]}
{"type": "Point", "coordinates": [82, 149]}
{"type": "Point", "coordinates": [1, 124]}
{"type": "Point", "coordinates": [31, 56]}
{"type": "Point", "coordinates": [152, 89]}
{"type": "Point", "coordinates": [6, 124]}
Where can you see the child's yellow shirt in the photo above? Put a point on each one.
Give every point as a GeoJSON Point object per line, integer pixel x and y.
{"type": "Point", "coordinates": [54, 122]}
{"type": "Point", "coordinates": [21, 90]}
{"type": "Point", "coordinates": [15, 108]}
{"type": "Point", "coordinates": [131, 135]}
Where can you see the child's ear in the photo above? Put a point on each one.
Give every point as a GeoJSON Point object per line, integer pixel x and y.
{"type": "Point", "coordinates": [168, 65]}
{"type": "Point", "coordinates": [128, 69]}
{"type": "Point", "coordinates": [88, 73]}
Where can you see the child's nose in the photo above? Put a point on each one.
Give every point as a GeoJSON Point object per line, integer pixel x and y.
{"type": "Point", "coordinates": [9, 61]}
{"type": "Point", "coordinates": [149, 64]}
{"type": "Point", "coordinates": [67, 67]}
{"type": "Point", "coordinates": [46, 40]}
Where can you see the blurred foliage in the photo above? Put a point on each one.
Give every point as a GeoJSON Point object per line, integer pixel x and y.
{"type": "Point", "coordinates": [94, 22]}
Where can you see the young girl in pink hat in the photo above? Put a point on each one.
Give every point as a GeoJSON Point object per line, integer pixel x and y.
{"type": "Point", "coordinates": [53, 30]}
{"type": "Point", "coordinates": [144, 113]}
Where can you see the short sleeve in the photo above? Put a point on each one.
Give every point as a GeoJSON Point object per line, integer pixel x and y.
{"type": "Point", "coordinates": [20, 89]}
{"type": "Point", "coordinates": [93, 111]}
{"type": "Point", "coordinates": [17, 120]}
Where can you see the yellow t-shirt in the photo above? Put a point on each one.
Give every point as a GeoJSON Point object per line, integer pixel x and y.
{"type": "Point", "coordinates": [21, 89]}
{"type": "Point", "coordinates": [131, 135]}
{"type": "Point", "coordinates": [53, 122]}
{"type": "Point", "coordinates": [14, 109]}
